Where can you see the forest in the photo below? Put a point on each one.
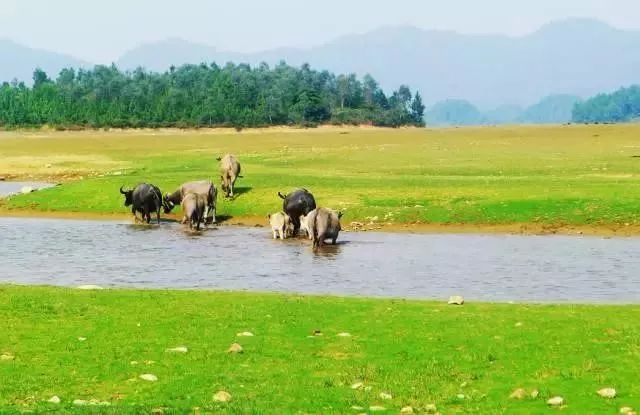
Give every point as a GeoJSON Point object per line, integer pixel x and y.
{"type": "Point", "coordinates": [622, 105]}
{"type": "Point", "coordinates": [205, 95]}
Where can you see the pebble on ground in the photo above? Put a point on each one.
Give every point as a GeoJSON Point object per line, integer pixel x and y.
{"type": "Point", "coordinates": [222, 396]}
{"type": "Point", "coordinates": [235, 348]}
{"type": "Point", "coordinates": [556, 401]}
{"type": "Point", "coordinates": [456, 300]}
{"type": "Point", "coordinates": [608, 393]}
{"type": "Point", "coordinates": [179, 349]}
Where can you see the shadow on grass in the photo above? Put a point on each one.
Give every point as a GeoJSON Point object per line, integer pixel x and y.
{"type": "Point", "coordinates": [238, 191]}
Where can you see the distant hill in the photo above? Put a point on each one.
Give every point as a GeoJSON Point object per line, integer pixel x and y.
{"type": "Point", "coordinates": [579, 57]}
{"type": "Point", "coordinates": [455, 112]}
{"type": "Point", "coordinates": [19, 62]}
{"type": "Point", "coordinates": [554, 109]}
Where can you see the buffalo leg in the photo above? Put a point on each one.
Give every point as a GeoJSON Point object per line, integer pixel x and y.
{"type": "Point", "coordinates": [158, 216]}
{"type": "Point", "coordinates": [296, 226]}
{"type": "Point", "coordinates": [135, 215]}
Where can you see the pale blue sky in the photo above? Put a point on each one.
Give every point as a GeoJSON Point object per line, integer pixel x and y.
{"type": "Point", "coordinates": [101, 31]}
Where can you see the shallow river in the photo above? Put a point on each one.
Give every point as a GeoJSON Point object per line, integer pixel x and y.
{"type": "Point", "coordinates": [9, 188]}
{"type": "Point", "coordinates": [491, 267]}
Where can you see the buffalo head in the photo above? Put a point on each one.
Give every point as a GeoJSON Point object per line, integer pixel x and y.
{"type": "Point", "coordinates": [128, 196]}
{"type": "Point", "coordinates": [167, 204]}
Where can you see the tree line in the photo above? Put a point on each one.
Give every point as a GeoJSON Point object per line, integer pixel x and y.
{"type": "Point", "coordinates": [204, 96]}
{"type": "Point", "coordinates": [622, 105]}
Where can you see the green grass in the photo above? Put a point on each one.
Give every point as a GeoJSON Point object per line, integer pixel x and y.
{"type": "Point", "coordinates": [420, 352]}
{"type": "Point", "coordinates": [580, 175]}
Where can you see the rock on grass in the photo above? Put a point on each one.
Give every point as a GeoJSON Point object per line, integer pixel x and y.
{"type": "Point", "coordinates": [626, 410]}
{"type": "Point", "coordinates": [149, 377]}
{"type": "Point", "coordinates": [357, 385]}
{"type": "Point", "coordinates": [222, 396]}
{"type": "Point", "coordinates": [431, 408]}
{"type": "Point", "coordinates": [407, 410]}
{"type": "Point", "coordinates": [245, 334]}
{"type": "Point", "coordinates": [456, 300]}
{"type": "Point", "coordinates": [235, 348]}
{"type": "Point", "coordinates": [556, 401]}
{"type": "Point", "coordinates": [608, 393]}
{"type": "Point", "coordinates": [54, 400]}
{"type": "Point", "coordinates": [89, 287]}
{"type": "Point", "coordinates": [385, 396]}
{"type": "Point", "coordinates": [377, 408]}
{"type": "Point", "coordinates": [344, 334]}
{"type": "Point", "coordinates": [179, 349]}
{"type": "Point", "coordinates": [518, 394]}
{"type": "Point", "coordinates": [7, 356]}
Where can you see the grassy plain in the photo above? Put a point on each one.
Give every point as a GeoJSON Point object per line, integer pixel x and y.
{"type": "Point", "coordinates": [462, 359]}
{"type": "Point", "coordinates": [549, 176]}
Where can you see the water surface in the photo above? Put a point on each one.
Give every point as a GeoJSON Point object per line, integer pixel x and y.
{"type": "Point", "coordinates": [10, 188]}
{"type": "Point", "coordinates": [480, 267]}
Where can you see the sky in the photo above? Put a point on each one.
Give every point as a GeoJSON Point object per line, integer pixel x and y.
{"type": "Point", "coordinates": [101, 31]}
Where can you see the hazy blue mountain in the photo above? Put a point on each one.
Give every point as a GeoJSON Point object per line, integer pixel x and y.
{"type": "Point", "coordinates": [579, 57]}
{"type": "Point", "coordinates": [454, 112]}
{"type": "Point", "coordinates": [554, 109]}
{"type": "Point", "coordinates": [18, 61]}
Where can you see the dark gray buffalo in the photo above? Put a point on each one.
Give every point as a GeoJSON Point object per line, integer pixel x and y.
{"type": "Point", "coordinates": [229, 173]}
{"type": "Point", "coordinates": [204, 188]}
{"type": "Point", "coordinates": [297, 203]}
{"type": "Point", "coordinates": [323, 224]}
{"type": "Point", "coordinates": [144, 198]}
{"type": "Point", "coordinates": [193, 206]}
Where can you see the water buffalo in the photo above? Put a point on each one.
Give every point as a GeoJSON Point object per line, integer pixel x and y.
{"type": "Point", "coordinates": [280, 225]}
{"type": "Point", "coordinates": [304, 226]}
{"type": "Point", "coordinates": [229, 172]}
{"type": "Point", "coordinates": [323, 224]}
{"type": "Point", "coordinates": [144, 198]}
{"type": "Point", "coordinates": [297, 203]}
{"type": "Point", "coordinates": [193, 206]}
{"type": "Point", "coordinates": [204, 187]}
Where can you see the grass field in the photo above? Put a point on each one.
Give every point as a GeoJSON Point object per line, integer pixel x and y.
{"type": "Point", "coordinates": [575, 175]}
{"type": "Point", "coordinates": [465, 359]}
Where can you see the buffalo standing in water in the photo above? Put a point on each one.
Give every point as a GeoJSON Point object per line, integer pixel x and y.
{"type": "Point", "coordinates": [323, 224]}
{"type": "Point", "coordinates": [229, 173]}
{"type": "Point", "coordinates": [144, 198]}
{"type": "Point", "coordinates": [204, 188]}
{"type": "Point", "coordinates": [193, 206]}
{"type": "Point", "coordinates": [297, 203]}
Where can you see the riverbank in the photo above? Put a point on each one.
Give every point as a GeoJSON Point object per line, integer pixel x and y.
{"type": "Point", "coordinates": [604, 230]}
{"type": "Point", "coordinates": [308, 354]}
{"type": "Point", "coordinates": [513, 179]}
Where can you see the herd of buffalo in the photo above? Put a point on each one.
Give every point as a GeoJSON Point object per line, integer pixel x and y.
{"type": "Point", "coordinates": [198, 201]}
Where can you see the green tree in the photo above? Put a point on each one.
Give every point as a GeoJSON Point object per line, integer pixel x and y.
{"type": "Point", "coordinates": [417, 110]}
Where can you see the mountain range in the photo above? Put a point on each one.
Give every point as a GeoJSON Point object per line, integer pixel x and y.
{"type": "Point", "coordinates": [577, 57]}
